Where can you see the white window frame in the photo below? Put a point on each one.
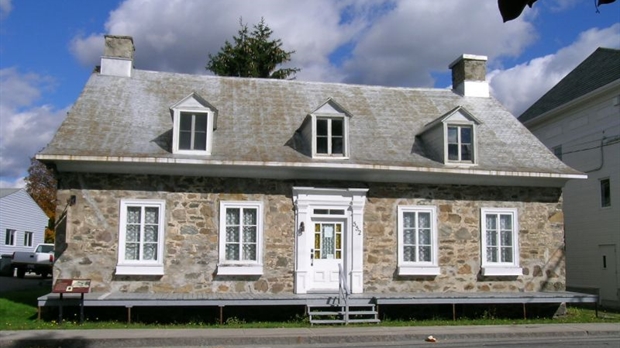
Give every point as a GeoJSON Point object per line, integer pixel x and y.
{"type": "Point", "coordinates": [500, 268]}
{"type": "Point", "coordinates": [242, 267]}
{"type": "Point", "coordinates": [345, 136]}
{"type": "Point", "coordinates": [28, 238]}
{"type": "Point", "coordinates": [10, 239]}
{"type": "Point", "coordinates": [141, 267]}
{"type": "Point", "coordinates": [420, 268]}
{"type": "Point", "coordinates": [474, 146]}
{"type": "Point", "coordinates": [176, 137]}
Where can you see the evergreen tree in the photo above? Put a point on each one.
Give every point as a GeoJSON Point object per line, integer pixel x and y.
{"type": "Point", "coordinates": [252, 55]}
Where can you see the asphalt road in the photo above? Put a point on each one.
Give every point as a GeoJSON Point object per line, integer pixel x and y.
{"type": "Point", "coordinates": [29, 282]}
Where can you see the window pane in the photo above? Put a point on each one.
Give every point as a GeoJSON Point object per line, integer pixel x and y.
{"type": "Point", "coordinates": [466, 153]}
{"type": "Point", "coordinates": [328, 241]}
{"type": "Point", "coordinates": [232, 252]}
{"type": "Point", "coordinates": [151, 215]}
{"type": "Point", "coordinates": [409, 236]}
{"type": "Point", "coordinates": [185, 123]}
{"type": "Point", "coordinates": [321, 127]}
{"type": "Point", "coordinates": [452, 135]}
{"type": "Point", "coordinates": [605, 193]}
{"type": "Point", "coordinates": [505, 222]}
{"type": "Point", "coordinates": [425, 254]}
{"type": "Point", "coordinates": [150, 233]}
{"type": "Point", "coordinates": [249, 234]}
{"type": "Point", "coordinates": [465, 135]}
{"type": "Point", "coordinates": [201, 123]}
{"type": "Point", "coordinates": [491, 238]}
{"type": "Point", "coordinates": [132, 251]}
{"type": "Point", "coordinates": [409, 253]}
{"type": "Point", "coordinates": [200, 141]}
{"type": "Point", "coordinates": [133, 233]}
{"type": "Point", "coordinates": [408, 220]}
{"type": "Point", "coordinates": [150, 251]}
{"type": "Point", "coordinates": [232, 234]}
{"type": "Point", "coordinates": [249, 216]}
{"type": "Point", "coordinates": [249, 252]}
{"type": "Point", "coordinates": [185, 140]}
{"type": "Point", "coordinates": [424, 237]}
{"type": "Point", "coordinates": [133, 215]}
{"type": "Point", "coordinates": [232, 216]}
{"type": "Point", "coordinates": [337, 128]}
{"type": "Point", "coordinates": [453, 152]}
{"type": "Point", "coordinates": [506, 237]}
{"type": "Point", "coordinates": [491, 254]}
{"type": "Point", "coordinates": [507, 254]}
{"type": "Point", "coordinates": [424, 220]}
{"type": "Point", "coordinates": [491, 222]}
{"type": "Point", "coordinates": [337, 147]}
{"type": "Point", "coordinates": [321, 145]}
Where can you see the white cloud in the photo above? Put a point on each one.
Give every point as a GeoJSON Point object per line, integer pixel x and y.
{"type": "Point", "coordinates": [5, 8]}
{"type": "Point", "coordinates": [520, 86]}
{"type": "Point", "coordinates": [25, 127]}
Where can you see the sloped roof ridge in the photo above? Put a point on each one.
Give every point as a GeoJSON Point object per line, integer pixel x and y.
{"type": "Point", "coordinates": [597, 70]}
{"type": "Point", "coordinates": [265, 80]}
{"type": "Point", "coordinates": [8, 191]}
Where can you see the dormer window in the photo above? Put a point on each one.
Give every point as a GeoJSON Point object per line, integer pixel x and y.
{"type": "Point", "coordinates": [460, 143]}
{"type": "Point", "coordinates": [194, 120]}
{"type": "Point", "coordinates": [330, 139]}
{"type": "Point", "coordinates": [325, 132]}
{"type": "Point", "coordinates": [451, 138]}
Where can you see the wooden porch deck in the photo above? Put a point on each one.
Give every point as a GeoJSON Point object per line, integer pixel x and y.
{"type": "Point", "coordinates": [129, 300]}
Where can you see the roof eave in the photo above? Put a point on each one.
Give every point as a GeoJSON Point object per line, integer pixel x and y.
{"type": "Point", "coordinates": [309, 171]}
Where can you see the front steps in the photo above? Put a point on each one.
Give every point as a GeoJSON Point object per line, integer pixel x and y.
{"type": "Point", "coordinates": [342, 314]}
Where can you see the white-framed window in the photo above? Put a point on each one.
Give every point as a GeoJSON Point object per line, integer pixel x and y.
{"type": "Point", "coordinates": [330, 136]}
{"type": "Point", "coordinates": [240, 238]}
{"type": "Point", "coordinates": [500, 242]}
{"type": "Point", "coordinates": [141, 237]}
{"type": "Point", "coordinates": [417, 240]}
{"type": "Point", "coordinates": [28, 238]}
{"type": "Point", "coordinates": [10, 237]}
{"type": "Point", "coordinates": [194, 120]}
{"type": "Point", "coordinates": [460, 143]}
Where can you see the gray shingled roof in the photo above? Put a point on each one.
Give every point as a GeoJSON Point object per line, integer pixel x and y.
{"type": "Point", "coordinates": [257, 118]}
{"type": "Point", "coordinates": [599, 69]}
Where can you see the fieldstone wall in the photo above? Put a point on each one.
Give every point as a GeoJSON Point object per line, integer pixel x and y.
{"type": "Point", "coordinates": [87, 240]}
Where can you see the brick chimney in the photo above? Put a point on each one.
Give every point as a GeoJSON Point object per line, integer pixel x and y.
{"type": "Point", "coordinates": [469, 76]}
{"type": "Point", "coordinates": [117, 57]}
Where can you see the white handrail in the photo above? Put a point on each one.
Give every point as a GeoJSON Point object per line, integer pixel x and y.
{"type": "Point", "coordinates": [343, 291]}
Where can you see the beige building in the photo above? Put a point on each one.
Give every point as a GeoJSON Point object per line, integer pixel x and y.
{"type": "Point", "coordinates": [579, 120]}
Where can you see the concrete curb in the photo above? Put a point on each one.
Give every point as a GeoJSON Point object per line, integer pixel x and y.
{"type": "Point", "coordinates": [291, 337]}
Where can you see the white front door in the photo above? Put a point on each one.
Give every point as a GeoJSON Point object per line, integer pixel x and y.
{"type": "Point", "coordinates": [327, 253]}
{"type": "Point", "coordinates": [608, 281]}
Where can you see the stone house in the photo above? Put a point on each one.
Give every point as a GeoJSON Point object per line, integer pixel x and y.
{"type": "Point", "coordinates": [579, 119]}
{"type": "Point", "coordinates": [218, 185]}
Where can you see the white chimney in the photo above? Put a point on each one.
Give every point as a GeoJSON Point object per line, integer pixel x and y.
{"type": "Point", "coordinates": [117, 57]}
{"type": "Point", "coordinates": [469, 76]}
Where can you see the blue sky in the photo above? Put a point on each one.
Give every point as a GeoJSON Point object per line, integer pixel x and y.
{"type": "Point", "coordinates": [49, 48]}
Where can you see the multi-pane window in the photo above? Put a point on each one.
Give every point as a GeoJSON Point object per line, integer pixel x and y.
{"type": "Point", "coordinates": [28, 238]}
{"type": "Point", "coordinates": [417, 240]}
{"type": "Point", "coordinates": [10, 237]}
{"type": "Point", "coordinates": [193, 131]}
{"type": "Point", "coordinates": [141, 236]}
{"type": "Point", "coordinates": [240, 238]}
{"type": "Point", "coordinates": [241, 234]}
{"type": "Point", "coordinates": [460, 143]}
{"type": "Point", "coordinates": [605, 193]}
{"type": "Point", "coordinates": [500, 238]}
{"type": "Point", "coordinates": [330, 136]}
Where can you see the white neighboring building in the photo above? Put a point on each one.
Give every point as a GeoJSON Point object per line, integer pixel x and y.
{"type": "Point", "coordinates": [22, 221]}
{"type": "Point", "coordinates": [579, 120]}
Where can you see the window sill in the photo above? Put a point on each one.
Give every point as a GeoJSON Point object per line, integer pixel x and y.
{"type": "Point", "coordinates": [240, 270]}
{"type": "Point", "coordinates": [139, 269]}
{"type": "Point", "coordinates": [418, 270]}
{"type": "Point", "coordinates": [501, 271]}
